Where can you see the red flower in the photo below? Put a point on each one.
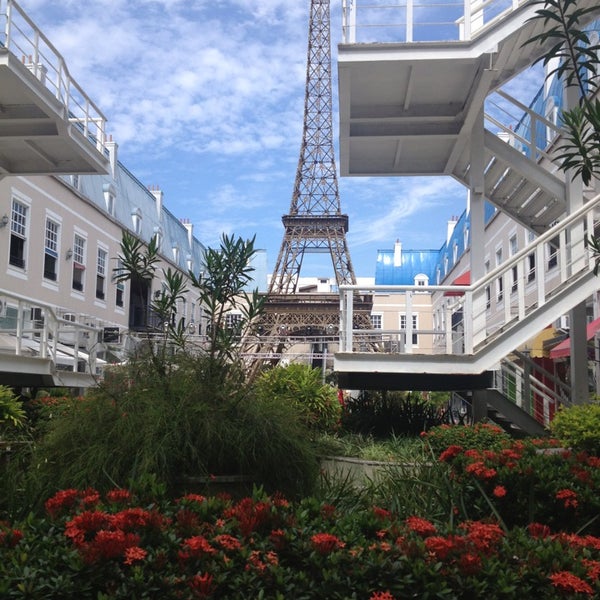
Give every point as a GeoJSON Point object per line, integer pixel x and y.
{"type": "Point", "coordinates": [499, 491]}
{"type": "Point", "coordinates": [569, 497]}
{"type": "Point", "coordinates": [327, 511]}
{"type": "Point", "coordinates": [567, 582]}
{"type": "Point", "coordinates": [450, 452]}
{"type": "Point", "coordinates": [469, 563]}
{"type": "Point", "coordinates": [440, 547]}
{"type": "Point", "coordinates": [63, 499]}
{"type": "Point", "coordinates": [479, 470]}
{"type": "Point", "coordinates": [196, 546]}
{"type": "Point", "coordinates": [133, 554]}
{"type": "Point", "coordinates": [108, 544]}
{"type": "Point", "coordinates": [381, 513]}
{"type": "Point", "coordinates": [483, 536]}
{"type": "Point", "coordinates": [228, 542]}
{"type": "Point", "coordinates": [277, 538]}
{"type": "Point", "coordinates": [117, 496]}
{"type": "Point", "coordinates": [381, 596]}
{"type": "Point", "coordinates": [9, 538]}
{"type": "Point", "coordinates": [201, 585]}
{"type": "Point", "coordinates": [325, 543]}
{"type": "Point", "coordinates": [193, 498]}
{"type": "Point", "coordinates": [538, 531]}
{"type": "Point", "coordinates": [82, 528]}
{"type": "Point", "coordinates": [593, 568]}
{"type": "Point", "coordinates": [420, 526]}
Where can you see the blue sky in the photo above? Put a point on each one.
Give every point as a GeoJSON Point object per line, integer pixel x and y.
{"type": "Point", "coordinates": [205, 99]}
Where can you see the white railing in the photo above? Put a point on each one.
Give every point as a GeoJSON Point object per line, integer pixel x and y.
{"type": "Point", "coordinates": [530, 394]}
{"type": "Point", "coordinates": [520, 125]}
{"type": "Point", "coordinates": [30, 328]}
{"type": "Point", "coordinates": [22, 38]}
{"type": "Point", "coordinates": [367, 21]}
{"type": "Point", "coordinates": [465, 321]}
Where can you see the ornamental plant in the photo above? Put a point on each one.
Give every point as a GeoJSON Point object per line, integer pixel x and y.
{"type": "Point", "coordinates": [518, 482]}
{"type": "Point", "coordinates": [302, 386]}
{"type": "Point", "coordinates": [578, 427]}
{"type": "Point", "coordinates": [116, 545]}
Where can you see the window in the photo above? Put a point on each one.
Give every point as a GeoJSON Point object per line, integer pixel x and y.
{"type": "Point", "coordinates": [466, 237]}
{"type": "Point", "coordinates": [552, 252]}
{"type": "Point", "coordinates": [488, 290]}
{"type": "Point", "coordinates": [78, 262]}
{"type": "Point", "coordinates": [376, 320]}
{"type": "Point", "coordinates": [176, 254]}
{"type": "Point", "coordinates": [514, 248]}
{"type": "Point", "coordinates": [500, 280]}
{"type": "Point", "coordinates": [233, 320]}
{"type": "Point", "coordinates": [136, 219]}
{"type": "Point", "coordinates": [530, 260]}
{"type": "Point", "coordinates": [109, 198]}
{"type": "Point", "coordinates": [51, 249]}
{"type": "Point", "coordinates": [421, 280]}
{"type": "Point", "coordinates": [531, 267]}
{"type": "Point", "coordinates": [158, 237]}
{"type": "Point", "coordinates": [101, 273]}
{"type": "Point", "coordinates": [18, 234]}
{"type": "Point", "coordinates": [454, 253]}
{"type": "Point", "coordinates": [445, 265]}
{"type": "Point", "coordinates": [120, 287]}
{"type": "Point", "coordinates": [415, 326]}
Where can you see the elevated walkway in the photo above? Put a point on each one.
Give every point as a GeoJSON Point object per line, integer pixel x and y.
{"type": "Point", "coordinates": [48, 125]}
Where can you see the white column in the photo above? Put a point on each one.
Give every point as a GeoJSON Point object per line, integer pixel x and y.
{"type": "Point", "coordinates": [477, 235]}
{"type": "Point", "coordinates": [576, 252]}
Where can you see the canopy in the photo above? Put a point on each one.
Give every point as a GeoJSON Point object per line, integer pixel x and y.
{"type": "Point", "coordinates": [463, 279]}
{"type": "Point", "coordinates": [564, 348]}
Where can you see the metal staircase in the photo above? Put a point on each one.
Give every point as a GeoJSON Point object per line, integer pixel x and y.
{"type": "Point", "coordinates": [415, 108]}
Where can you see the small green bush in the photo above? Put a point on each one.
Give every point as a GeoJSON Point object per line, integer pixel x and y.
{"type": "Point", "coordinates": [578, 427]}
{"type": "Point", "coordinates": [382, 414]}
{"type": "Point", "coordinates": [302, 386]}
{"type": "Point", "coordinates": [12, 414]}
{"type": "Point", "coordinates": [172, 429]}
{"type": "Point", "coordinates": [481, 436]}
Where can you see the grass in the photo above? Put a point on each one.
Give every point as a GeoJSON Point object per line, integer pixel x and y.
{"type": "Point", "coordinates": [393, 449]}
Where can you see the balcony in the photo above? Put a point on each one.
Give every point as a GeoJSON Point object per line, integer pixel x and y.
{"type": "Point", "coordinates": [48, 124]}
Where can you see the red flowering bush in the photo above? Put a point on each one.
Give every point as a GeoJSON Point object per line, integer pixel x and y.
{"type": "Point", "coordinates": [267, 547]}
{"type": "Point", "coordinates": [519, 481]}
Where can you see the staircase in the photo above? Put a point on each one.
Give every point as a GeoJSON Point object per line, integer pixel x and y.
{"type": "Point", "coordinates": [430, 108]}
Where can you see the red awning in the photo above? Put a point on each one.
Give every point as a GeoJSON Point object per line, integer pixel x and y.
{"type": "Point", "coordinates": [564, 348]}
{"type": "Point", "coordinates": [464, 279]}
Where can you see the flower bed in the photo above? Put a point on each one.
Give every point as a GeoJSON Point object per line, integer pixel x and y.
{"type": "Point", "coordinates": [90, 546]}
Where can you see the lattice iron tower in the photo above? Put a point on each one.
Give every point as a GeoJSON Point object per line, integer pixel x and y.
{"type": "Point", "coordinates": [315, 222]}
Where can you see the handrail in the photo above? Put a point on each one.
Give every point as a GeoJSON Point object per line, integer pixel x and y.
{"type": "Point", "coordinates": [528, 392]}
{"type": "Point", "coordinates": [480, 323]}
{"type": "Point", "coordinates": [22, 38]}
{"type": "Point", "coordinates": [400, 21]}
{"type": "Point", "coordinates": [52, 334]}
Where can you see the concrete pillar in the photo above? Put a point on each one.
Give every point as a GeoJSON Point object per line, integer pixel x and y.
{"type": "Point", "coordinates": [479, 407]}
{"type": "Point", "coordinates": [477, 235]}
{"type": "Point", "coordinates": [579, 360]}
{"type": "Point", "coordinates": [576, 252]}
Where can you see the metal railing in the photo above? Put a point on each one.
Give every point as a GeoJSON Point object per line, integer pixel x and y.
{"type": "Point", "coordinates": [528, 392]}
{"type": "Point", "coordinates": [22, 38]}
{"type": "Point", "coordinates": [465, 322]}
{"type": "Point", "coordinates": [368, 21]}
{"type": "Point", "coordinates": [30, 328]}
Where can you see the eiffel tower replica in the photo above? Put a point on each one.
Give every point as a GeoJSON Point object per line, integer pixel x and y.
{"type": "Point", "coordinates": [315, 222]}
